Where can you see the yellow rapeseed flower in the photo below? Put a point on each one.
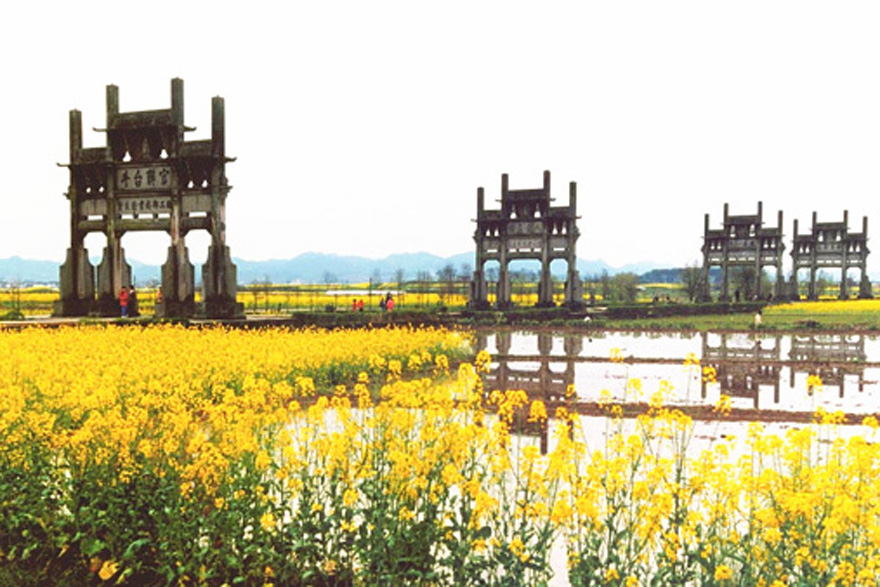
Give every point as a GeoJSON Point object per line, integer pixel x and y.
{"type": "Point", "coordinates": [268, 522]}
{"type": "Point", "coordinates": [723, 573]}
{"type": "Point", "coordinates": [518, 549]}
{"type": "Point", "coordinates": [108, 569]}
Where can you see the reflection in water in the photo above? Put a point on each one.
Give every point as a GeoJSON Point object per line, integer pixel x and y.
{"type": "Point", "coordinates": [832, 357]}
{"type": "Point", "coordinates": [538, 381]}
{"type": "Point", "coordinates": [740, 370]}
{"type": "Point", "coordinates": [766, 376]}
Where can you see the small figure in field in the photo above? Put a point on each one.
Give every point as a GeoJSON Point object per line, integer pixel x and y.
{"type": "Point", "coordinates": [159, 295]}
{"type": "Point", "coordinates": [133, 309]}
{"type": "Point", "coordinates": [758, 319]}
{"type": "Point", "coordinates": [389, 302]}
{"type": "Point", "coordinates": [123, 301]}
{"type": "Point", "coordinates": [354, 304]}
{"type": "Point", "coordinates": [382, 304]}
{"type": "Point", "coordinates": [361, 305]}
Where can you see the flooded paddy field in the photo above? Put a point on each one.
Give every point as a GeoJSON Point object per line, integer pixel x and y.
{"type": "Point", "coordinates": [769, 377]}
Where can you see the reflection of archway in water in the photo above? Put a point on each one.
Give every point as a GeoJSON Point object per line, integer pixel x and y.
{"type": "Point", "coordinates": [742, 368]}
{"type": "Point", "coordinates": [830, 356]}
{"type": "Point", "coordinates": [749, 367]}
{"type": "Point", "coordinates": [538, 379]}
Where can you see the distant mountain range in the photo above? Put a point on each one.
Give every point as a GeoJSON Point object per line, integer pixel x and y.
{"type": "Point", "coordinates": [317, 268]}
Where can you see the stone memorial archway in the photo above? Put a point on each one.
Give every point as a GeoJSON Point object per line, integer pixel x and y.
{"type": "Point", "coordinates": [148, 178]}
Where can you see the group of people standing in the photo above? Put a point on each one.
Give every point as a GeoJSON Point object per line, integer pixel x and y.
{"type": "Point", "coordinates": [386, 303]}
{"type": "Point", "coordinates": [128, 302]}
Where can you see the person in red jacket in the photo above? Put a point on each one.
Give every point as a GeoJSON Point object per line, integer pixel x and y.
{"type": "Point", "coordinates": [123, 301]}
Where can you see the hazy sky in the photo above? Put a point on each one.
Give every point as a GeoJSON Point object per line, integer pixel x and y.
{"type": "Point", "coordinates": [366, 127]}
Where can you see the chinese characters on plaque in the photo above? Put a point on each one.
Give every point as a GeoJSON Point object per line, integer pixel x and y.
{"type": "Point", "coordinates": [143, 205]}
{"type": "Point", "coordinates": [151, 177]}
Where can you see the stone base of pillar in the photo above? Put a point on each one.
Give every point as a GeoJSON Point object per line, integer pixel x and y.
{"type": "Point", "coordinates": [108, 304]}
{"type": "Point", "coordinates": [479, 305]}
{"type": "Point", "coordinates": [479, 296]}
{"type": "Point", "coordinates": [223, 307]}
{"type": "Point", "coordinates": [219, 274]}
{"type": "Point", "coordinates": [219, 283]}
{"type": "Point", "coordinates": [175, 309]}
{"type": "Point", "coordinates": [178, 286]}
{"type": "Point", "coordinates": [780, 290]}
{"type": "Point", "coordinates": [574, 295]}
{"type": "Point", "coordinates": [545, 293]}
{"type": "Point", "coordinates": [77, 291]}
{"type": "Point", "coordinates": [792, 290]}
{"type": "Point", "coordinates": [73, 307]}
{"type": "Point", "coordinates": [865, 292]}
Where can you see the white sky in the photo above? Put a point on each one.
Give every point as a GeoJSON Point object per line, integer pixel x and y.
{"type": "Point", "coordinates": [366, 127]}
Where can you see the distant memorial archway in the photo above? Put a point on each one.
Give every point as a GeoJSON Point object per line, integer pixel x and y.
{"type": "Point", "coordinates": [148, 178]}
{"type": "Point", "coordinates": [743, 241]}
{"type": "Point", "coordinates": [526, 227]}
{"type": "Point", "coordinates": [831, 245]}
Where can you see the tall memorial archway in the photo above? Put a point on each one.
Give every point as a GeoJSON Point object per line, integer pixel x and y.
{"type": "Point", "coordinates": [148, 178]}
{"type": "Point", "coordinates": [526, 227]}
{"type": "Point", "coordinates": [831, 245]}
{"type": "Point", "coordinates": [743, 241]}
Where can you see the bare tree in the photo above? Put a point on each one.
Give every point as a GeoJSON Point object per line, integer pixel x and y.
{"type": "Point", "coordinates": [446, 277]}
{"type": "Point", "coordinates": [605, 286]}
{"type": "Point", "coordinates": [625, 287]}
{"type": "Point", "coordinates": [423, 278]}
{"type": "Point", "coordinates": [465, 272]}
{"type": "Point", "coordinates": [267, 288]}
{"type": "Point", "coordinates": [692, 279]}
{"type": "Point", "coordinates": [744, 280]}
{"type": "Point", "coordinates": [398, 279]}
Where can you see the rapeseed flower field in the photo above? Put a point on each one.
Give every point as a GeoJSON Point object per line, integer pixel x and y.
{"type": "Point", "coordinates": [829, 307]}
{"type": "Point", "coordinates": [166, 455]}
